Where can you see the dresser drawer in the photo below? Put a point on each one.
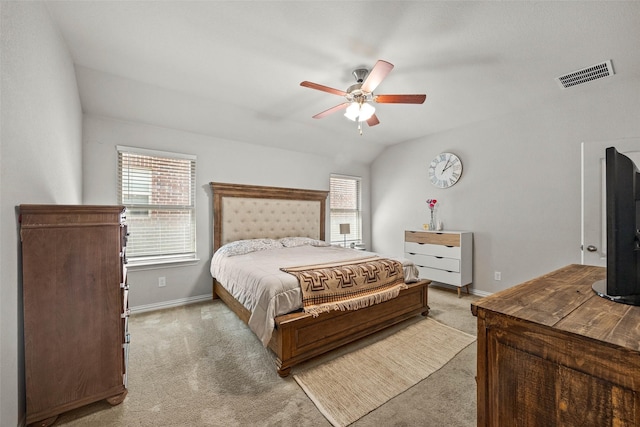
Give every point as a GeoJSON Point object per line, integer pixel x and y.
{"type": "Point", "coordinates": [449, 277]}
{"type": "Point", "coordinates": [434, 250]}
{"type": "Point", "coordinates": [447, 264]}
{"type": "Point", "coordinates": [446, 239]}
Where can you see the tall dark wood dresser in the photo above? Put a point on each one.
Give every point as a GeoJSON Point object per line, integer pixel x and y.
{"type": "Point", "coordinates": [553, 353]}
{"type": "Point", "coordinates": [75, 307]}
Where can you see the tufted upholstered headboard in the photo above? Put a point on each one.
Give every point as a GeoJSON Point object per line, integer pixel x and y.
{"type": "Point", "coordinates": [252, 212]}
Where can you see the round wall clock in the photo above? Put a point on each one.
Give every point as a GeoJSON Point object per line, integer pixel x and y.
{"type": "Point", "coordinates": [445, 170]}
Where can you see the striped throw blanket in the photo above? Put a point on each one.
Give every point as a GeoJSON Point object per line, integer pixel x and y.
{"type": "Point", "coordinates": [349, 285]}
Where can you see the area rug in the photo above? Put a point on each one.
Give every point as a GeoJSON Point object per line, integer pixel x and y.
{"type": "Point", "coordinates": [349, 387]}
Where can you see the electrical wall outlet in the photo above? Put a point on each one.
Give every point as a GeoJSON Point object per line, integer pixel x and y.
{"type": "Point", "coordinates": [162, 282]}
{"type": "Point", "coordinates": [497, 275]}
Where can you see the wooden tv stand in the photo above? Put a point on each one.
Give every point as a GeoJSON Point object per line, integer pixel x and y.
{"type": "Point", "coordinates": [553, 353]}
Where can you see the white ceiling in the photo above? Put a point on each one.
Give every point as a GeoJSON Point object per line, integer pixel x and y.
{"type": "Point", "coordinates": [232, 69]}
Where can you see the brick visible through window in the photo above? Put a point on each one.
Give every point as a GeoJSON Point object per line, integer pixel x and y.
{"type": "Point", "coordinates": [158, 190]}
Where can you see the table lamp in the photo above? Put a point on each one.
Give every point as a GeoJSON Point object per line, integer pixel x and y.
{"type": "Point", "coordinates": [344, 230]}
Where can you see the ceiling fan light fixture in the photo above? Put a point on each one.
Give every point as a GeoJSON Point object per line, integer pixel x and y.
{"type": "Point", "coordinates": [353, 111]}
{"type": "Point", "coordinates": [360, 112]}
{"type": "Point", "coordinates": [366, 111]}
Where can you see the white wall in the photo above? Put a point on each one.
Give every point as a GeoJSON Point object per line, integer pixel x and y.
{"type": "Point", "coordinates": [217, 160]}
{"type": "Point", "coordinates": [520, 188]}
{"type": "Point", "coordinates": [41, 162]}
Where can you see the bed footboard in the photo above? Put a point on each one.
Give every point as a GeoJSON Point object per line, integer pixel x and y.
{"type": "Point", "coordinates": [299, 336]}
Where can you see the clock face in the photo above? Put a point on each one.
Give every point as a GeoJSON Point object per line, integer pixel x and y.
{"type": "Point", "coordinates": [445, 170]}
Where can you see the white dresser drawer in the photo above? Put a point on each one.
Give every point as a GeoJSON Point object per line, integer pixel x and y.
{"type": "Point", "coordinates": [445, 257]}
{"type": "Point", "coordinates": [450, 277]}
{"type": "Point", "coordinates": [434, 238]}
{"type": "Point", "coordinates": [447, 264]}
{"type": "Point", "coordinates": [435, 250]}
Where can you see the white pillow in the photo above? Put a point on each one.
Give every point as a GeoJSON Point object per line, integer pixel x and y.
{"type": "Point", "coordinates": [292, 242]}
{"type": "Point", "coordinates": [241, 247]}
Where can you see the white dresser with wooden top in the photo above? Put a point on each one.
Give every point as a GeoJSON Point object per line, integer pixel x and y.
{"type": "Point", "coordinates": [442, 256]}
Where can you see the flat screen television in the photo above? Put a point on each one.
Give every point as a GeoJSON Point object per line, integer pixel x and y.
{"type": "Point", "coordinates": [623, 235]}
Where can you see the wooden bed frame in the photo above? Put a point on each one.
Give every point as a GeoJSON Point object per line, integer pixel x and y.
{"type": "Point", "coordinates": [298, 337]}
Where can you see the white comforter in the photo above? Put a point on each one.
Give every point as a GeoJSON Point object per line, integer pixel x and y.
{"type": "Point", "coordinates": [256, 281]}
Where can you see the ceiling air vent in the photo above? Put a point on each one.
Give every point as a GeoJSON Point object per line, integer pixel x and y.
{"type": "Point", "coordinates": [594, 72]}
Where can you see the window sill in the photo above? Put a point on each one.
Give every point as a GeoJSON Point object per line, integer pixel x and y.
{"type": "Point", "coordinates": [152, 263]}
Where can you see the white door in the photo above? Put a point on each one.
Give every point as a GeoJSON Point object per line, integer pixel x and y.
{"type": "Point", "coordinates": [594, 219]}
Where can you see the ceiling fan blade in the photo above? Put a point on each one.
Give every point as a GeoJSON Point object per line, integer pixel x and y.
{"type": "Point", "coordinates": [376, 75]}
{"type": "Point", "coordinates": [332, 110]}
{"type": "Point", "coordinates": [311, 85]}
{"type": "Point", "coordinates": [400, 99]}
{"type": "Point", "coordinates": [373, 120]}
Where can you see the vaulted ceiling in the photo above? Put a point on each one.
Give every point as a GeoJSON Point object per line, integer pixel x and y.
{"type": "Point", "coordinates": [232, 69]}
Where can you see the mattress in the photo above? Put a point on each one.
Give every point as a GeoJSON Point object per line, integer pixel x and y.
{"type": "Point", "coordinates": [255, 280]}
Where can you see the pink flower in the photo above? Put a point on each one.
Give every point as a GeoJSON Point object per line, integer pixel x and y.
{"type": "Point", "coordinates": [432, 203]}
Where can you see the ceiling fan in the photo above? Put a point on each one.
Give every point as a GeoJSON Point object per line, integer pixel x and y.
{"type": "Point", "coordinates": [360, 95]}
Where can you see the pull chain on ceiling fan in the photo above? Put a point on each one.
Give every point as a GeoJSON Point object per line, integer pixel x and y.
{"type": "Point", "coordinates": [360, 95]}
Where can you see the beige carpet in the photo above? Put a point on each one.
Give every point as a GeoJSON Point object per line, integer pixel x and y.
{"type": "Point", "coordinates": [349, 387]}
{"type": "Point", "coordinates": [200, 366]}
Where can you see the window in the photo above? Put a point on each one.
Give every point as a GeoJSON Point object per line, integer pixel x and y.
{"type": "Point", "coordinates": [345, 208]}
{"type": "Point", "coordinates": [158, 190]}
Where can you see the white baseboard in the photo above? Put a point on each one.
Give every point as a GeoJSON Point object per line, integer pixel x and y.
{"type": "Point", "coordinates": [480, 293]}
{"type": "Point", "coordinates": [170, 304]}
{"type": "Point", "coordinates": [472, 291]}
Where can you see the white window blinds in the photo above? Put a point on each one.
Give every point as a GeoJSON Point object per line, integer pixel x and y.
{"type": "Point", "coordinates": [158, 190]}
{"type": "Point", "coordinates": [345, 208]}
